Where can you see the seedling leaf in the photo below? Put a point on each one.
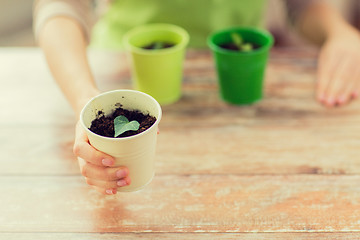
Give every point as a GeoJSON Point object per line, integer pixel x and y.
{"type": "Point", "coordinates": [158, 45]}
{"type": "Point", "coordinates": [240, 44]}
{"type": "Point", "coordinates": [122, 124]}
{"type": "Point", "coordinates": [237, 40]}
{"type": "Point", "coordinates": [247, 47]}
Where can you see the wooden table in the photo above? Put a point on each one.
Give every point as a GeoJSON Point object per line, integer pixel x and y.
{"type": "Point", "coordinates": [285, 168]}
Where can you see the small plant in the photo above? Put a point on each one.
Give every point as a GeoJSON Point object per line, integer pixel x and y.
{"type": "Point", "coordinates": [158, 45]}
{"type": "Point", "coordinates": [122, 124]}
{"type": "Point", "coordinates": [240, 44]}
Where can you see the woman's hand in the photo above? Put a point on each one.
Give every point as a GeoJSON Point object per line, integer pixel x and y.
{"type": "Point", "coordinates": [338, 74]}
{"type": "Point", "coordinates": [97, 167]}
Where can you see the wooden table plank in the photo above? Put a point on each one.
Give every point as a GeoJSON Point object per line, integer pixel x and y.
{"type": "Point", "coordinates": [165, 236]}
{"type": "Point", "coordinates": [286, 167]}
{"type": "Point", "coordinates": [263, 138]}
{"type": "Point", "coordinates": [196, 203]}
{"type": "Point", "coordinates": [233, 149]}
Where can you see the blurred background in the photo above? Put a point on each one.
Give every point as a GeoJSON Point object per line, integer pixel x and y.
{"type": "Point", "coordinates": [16, 22]}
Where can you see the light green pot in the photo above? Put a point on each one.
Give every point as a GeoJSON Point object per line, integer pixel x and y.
{"type": "Point", "coordinates": [157, 72]}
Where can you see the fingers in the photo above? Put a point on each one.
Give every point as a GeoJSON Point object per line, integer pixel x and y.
{"type": "Point", "coordinates": [339, 87]}
{"type": "Point", "coordinates": [89, 170]}
{"type": "Point", "coordinates": [84, 150]}
{"type": "Point", "coordinates": [105, 180]}
{"type": "Point", "coordinates": [348, 91]}
{"type": "Point", "coordinates": [104, 191]}
{"type": "Point", "coordinates": [324, 74]}
{"type": "Point", "coordinates": [108, 187]}
{"type": "Point", "coordinates": [336, 84]}
{"type": "Point", "coordinates": [338, 78]}
{"type": "Point", "coordinates": [105, 185]}
{"type": "Point", "coordinates": [94, 166]}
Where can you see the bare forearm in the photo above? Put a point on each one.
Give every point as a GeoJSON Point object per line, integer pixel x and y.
{"type": "Point", "coordinates": [64, 45]}
{"type": "Point", "coordinates": [320, 21]}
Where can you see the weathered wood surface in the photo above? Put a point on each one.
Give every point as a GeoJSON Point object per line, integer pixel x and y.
{"type": "Point", "coordinates": [285, 168]}
{"type": "Point", "coordinates": [166, 236]}
{"type": "Point", "coordinates": [174, 203]}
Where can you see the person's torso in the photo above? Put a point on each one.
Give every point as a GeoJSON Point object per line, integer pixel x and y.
{"type": "Point", "coordinates": [198, 17]}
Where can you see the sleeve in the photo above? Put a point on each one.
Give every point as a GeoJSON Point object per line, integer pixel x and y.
{"type": "Point", "coordinates": [79, 10]}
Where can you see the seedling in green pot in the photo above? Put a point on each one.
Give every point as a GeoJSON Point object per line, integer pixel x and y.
{"type": "Point", "coordinates": [122, 124]}
{"type": "Point", "coordinates": [240, 44]}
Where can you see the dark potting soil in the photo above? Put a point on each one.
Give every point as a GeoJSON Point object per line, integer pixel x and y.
{"type": "Point", "coordinates": [104, 125]}
{"type": "Point", "coordinates": [233, 47]}
{"type": "Point", "coordinates": [156, 45]}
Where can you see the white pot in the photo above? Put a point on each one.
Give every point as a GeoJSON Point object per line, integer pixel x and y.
{"type": "Point", "coordinates": [136, 152]}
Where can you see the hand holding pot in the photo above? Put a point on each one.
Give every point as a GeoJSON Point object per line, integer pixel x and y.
{"type": "Point", "coordinates": [136, 151]}
{"type": "Point", "coordinates": [96, 166]}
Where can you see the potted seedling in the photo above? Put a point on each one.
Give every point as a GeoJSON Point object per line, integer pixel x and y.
{"type": "Point", "coordinates": [240, 57]}
{"type": "Point", "coordinates": [156, 53]}
{"type": "Point", "coordinates": [158, 45]}
{"type": "Point", "coordinates": [238, 44]}
{"type": "Point", "coordinates": [123, 124]}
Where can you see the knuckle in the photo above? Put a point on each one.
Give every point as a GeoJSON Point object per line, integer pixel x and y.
{"type": "Point", "coordinates": [94, 158]}
{"type": "Point", "coordinates": [84, 170]}
{"type": "Point", "coordinates": [111, 184]}
{"type": "Point", "coordinates": [89, 182]}
{"type": "Point", "coordinates": [76, 149]}
{"type": "Point", "coordinates": [109, 174]}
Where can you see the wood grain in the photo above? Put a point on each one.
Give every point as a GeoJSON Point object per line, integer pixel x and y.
{"type": "Point", "coordinates": [196, 203]}
{"type": "Point", "coordinates": [165, 236]}
{"type": "Point", "coordinates": [263, 138]}
{"type": "Point", "coordinates": [284, 168]}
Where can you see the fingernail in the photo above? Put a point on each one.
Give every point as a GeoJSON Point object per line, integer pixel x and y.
{"type": "Point", "coordinates": [107, 162]}
{"type": "Point", "coordinates": [121, 173]}
{"type": "Point", "coordinates": [122, 183]}
{"type": "Point", "coordinates": [128, 180]}
{"type": "Point", "coordinates": [341, 100]}
{"type": "Point", "coordinates": [330, 101]}
{"type": "Point", "coordinates": [109, 191]}
{"type": "Point", "coordinates": [321, 98]}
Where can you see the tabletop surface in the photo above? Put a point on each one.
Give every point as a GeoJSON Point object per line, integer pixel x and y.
{"type": "Point", "coordinates": [284, 168]}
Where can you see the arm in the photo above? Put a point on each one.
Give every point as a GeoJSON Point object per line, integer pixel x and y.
{"type": "Point", "coordinates": [320, 21]}
{"type": "Point", "coordinates": [66, 57]}
{"type": "Point", "coordinates": [62, 29]}
{"type": "Point", "coordinates": [63, 40]}
{"type": "Point", "coordinates": [338, 77]}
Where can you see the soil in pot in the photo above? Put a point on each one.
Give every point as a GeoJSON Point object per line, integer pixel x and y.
{"type": "Point", "coordinates": [158, 45]}
{"type": "Point", "coordinates": [104, 125]}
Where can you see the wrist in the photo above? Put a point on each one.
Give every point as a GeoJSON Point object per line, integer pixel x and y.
{"type": "Point", "coordinates": [330, 21]}
{"type": "Point", "coordinates": [83, 98]}
{"type": "Point", "coordinates": [320, 21]}
{"type": "Point", "coordinates": [335, 27]}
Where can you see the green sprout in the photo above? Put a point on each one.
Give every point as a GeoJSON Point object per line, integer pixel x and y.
{"type": "Point", "coordinates": [158, 45]}
{"type": "Point", "coordinates": [122, 124]}
{"type": "Point", "coordinates": [240, 44]}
